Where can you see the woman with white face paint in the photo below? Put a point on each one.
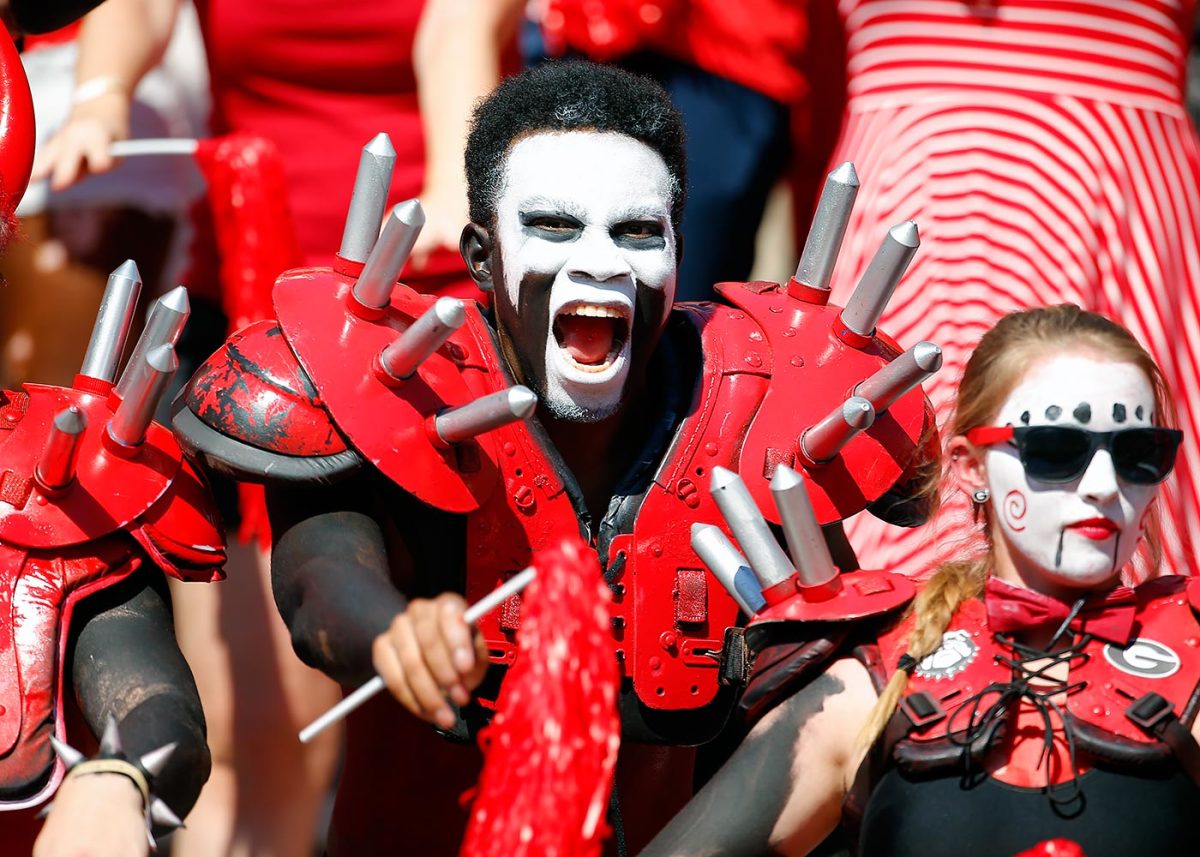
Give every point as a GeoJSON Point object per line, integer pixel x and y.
{"type": "Point", "coordinates": [1027, 695]}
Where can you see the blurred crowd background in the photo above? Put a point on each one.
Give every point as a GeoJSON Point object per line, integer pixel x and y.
{"type": "Point", "coordinates": [762, 84]}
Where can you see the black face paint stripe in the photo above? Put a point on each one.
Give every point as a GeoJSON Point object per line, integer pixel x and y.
{"type": "Point", "coordinates": [1083, 412]}
{"type": "Point", "coordinates": [1058, 553]}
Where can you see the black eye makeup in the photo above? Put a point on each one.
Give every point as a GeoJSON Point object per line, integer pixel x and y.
{"type": "Point", "coordinates": [552, 225]}
{"type": "Point", "coordinates": [641, 233]}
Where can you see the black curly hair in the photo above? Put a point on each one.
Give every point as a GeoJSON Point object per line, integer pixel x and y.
{"type": "Point", "coordinates": [569, 96]}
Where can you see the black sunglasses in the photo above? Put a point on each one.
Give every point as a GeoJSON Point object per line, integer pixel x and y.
{"type": "Point", "coordinates": [1057, 454]}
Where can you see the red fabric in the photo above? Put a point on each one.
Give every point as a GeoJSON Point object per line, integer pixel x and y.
{"type": "Point", "coordinates": [55, 37]}
{"type": "Point", "coordinates": [1109, 616]}
{"type": "Point", "coordinates": [552, 749]}
{"type": "Point", "coordinates": [757, 43]}
{"type": "Point", "coordinates": [319, 78]}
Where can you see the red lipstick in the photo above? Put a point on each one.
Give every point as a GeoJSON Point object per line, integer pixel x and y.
{"type": "Point", "coordinates": [1097, 529]}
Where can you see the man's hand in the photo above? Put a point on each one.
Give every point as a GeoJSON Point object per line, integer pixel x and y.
{"type": "Point", "coordinates": [96, 815]}
{"type": "Point", "coordinates": [429, 655]}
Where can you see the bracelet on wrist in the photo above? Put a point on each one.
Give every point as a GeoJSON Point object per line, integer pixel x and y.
{"type": "Point", "coordinates": [92, 89]}
{"type": "Point", "coordinates": [113, 760]}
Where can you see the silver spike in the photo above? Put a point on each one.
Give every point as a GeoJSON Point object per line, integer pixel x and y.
{"type": "Point", "coordinates": [767, 559]}
{"type": "Point", "coordinates": [728, 566]}
{"type": "Point", "coordinates": [135, 413]}
{"type": "Point", "coordinates": [805, 541]}
{"type": "Point", "coordinates": [69, 755]}
{"type": "Point", "coordinates": [874, 290]}
{"type": "Point", "coordinates": [110, 741]}
{"type": "Point", "coordinates": [56, 469]}
{"type": "Point", "coordinates": [484, 414]}
{"type": "Point", "coordinates": [893, 380]}
{"type": "Point", "coordinates": [828, 228]}
{"type": "Point", "coordinates": [425, 336]}
{"type": "Point", "coordinates": [113, 322]}
{"type": "Point", "coordinates": [154, 761]}
{"type": "Point", "coordinates": [369, 198]}
{"type": "Point", "coordinates": [44, 811]}
{"type": "Point", "coordinates": [379, 274]}
{"type": "Point", "coordinates": [162, 815]}
{"type": "Point", "coordinates": [164, 327]}
{"type": "Point", "coordinates": [822, 441]}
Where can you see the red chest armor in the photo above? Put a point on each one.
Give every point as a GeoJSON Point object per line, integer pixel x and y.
{"type": "Point", "coordinates": [1163, 658]}
{"type": "Point", "coordinates": [669, 615]}
{"type": "Point", "coordinates": [55, 550]}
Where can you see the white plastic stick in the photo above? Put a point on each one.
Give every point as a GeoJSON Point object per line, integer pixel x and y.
{"type": "Point", "coordinates": [153, 146]}
{"type": "Point", "coordinates": [474, 613]}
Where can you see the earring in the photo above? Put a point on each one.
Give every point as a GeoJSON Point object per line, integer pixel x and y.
{"type": "Point", "coordinates": [981, 496]}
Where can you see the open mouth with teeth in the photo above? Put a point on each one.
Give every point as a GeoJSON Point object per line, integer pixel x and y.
{"type": "Point", "coordinates": [591, 336]}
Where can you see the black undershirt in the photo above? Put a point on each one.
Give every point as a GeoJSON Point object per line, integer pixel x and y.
{"type": "Point", "coordinates": [1121, 815]}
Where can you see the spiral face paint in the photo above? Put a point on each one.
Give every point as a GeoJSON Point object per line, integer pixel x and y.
{"type": "Point", "coordinates": [1076, 535]}
{"type": "Point", "coordinates": [587, 249]}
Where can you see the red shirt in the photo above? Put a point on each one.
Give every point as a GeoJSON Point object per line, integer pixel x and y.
{"type": "Point", "coordinates": [319, 78]}
{"type": "Point", "coordinates": [757, 43]}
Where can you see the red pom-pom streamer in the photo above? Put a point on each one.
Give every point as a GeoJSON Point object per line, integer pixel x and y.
{"type": "Point", "coordinates": [552, 747]}
{"type": "Point", "coordinates": [256, 240]}
{"type": "Point", "coordinates": [1054, 848]}
{"type": "Point", "coordinates": [254, 232]}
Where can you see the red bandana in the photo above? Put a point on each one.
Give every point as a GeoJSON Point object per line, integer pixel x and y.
{"type": "Point", "coordinates": [1108, 615]}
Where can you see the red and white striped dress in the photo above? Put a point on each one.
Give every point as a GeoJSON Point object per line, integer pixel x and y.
{"type": "Point", "coordinates": [1043, 148]}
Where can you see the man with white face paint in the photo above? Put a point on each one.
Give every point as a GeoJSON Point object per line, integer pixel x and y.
{"type": "Point", "coordinates": [576, 186]}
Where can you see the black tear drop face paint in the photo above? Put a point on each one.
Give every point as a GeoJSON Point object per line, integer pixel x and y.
{"type": "Point", "coordinates": [585, 266]}
{"type": "Point", "coordinates": [1077, 534]}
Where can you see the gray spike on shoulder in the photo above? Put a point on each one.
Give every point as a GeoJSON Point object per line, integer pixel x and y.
{"type": "Point", "coordinates": [163, 815]}
{"type": "Point", "coordinates": [154, 761]}
{"type": "Point", "coordinates": [110, 742]}
{"type": "Point", "coordinates": [44, 811]}
{"type": "Point", "coordinates": [69, 755]}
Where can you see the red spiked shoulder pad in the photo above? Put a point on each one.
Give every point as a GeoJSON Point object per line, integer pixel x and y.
{"type": "Point", "coordinates": [816, 369]}
{"type": "Point", "coordinates": [390, 420]}
{"type": "Point", "coordinates": [56, 492]}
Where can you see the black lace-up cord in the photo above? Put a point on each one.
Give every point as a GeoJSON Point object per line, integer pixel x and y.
{"type": "Point", "coordinates": [981, 720]}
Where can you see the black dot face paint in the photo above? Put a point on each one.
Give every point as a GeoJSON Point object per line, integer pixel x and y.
{"type": "Point", "coordinates": [1025, 418]}
{"type": "Point", "coordinates": [1118, 412]}
{"type": "Point", "coordinates": [1083, 413]}
{"type": "Point", "coordinates": [1139, 412]}
{"type": "Point", "coordinates": [1053, 413]}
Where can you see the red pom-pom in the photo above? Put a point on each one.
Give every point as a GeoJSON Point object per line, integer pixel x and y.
{"type": "Point", "coordinates": [552, 747]}
{"type": "Point", "coordinates": [254, 231]}
{"type": "Point", "coordinates": [1054, 848]}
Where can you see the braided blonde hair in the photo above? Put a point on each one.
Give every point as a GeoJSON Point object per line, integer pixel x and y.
{"type": "Point", "coordinates": [997, 365]}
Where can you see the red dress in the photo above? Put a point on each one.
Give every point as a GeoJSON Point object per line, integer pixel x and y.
{"type": "Point", "coordinates": [1043, 148]}
{"type": "Point", "coordinates": [319, 79]}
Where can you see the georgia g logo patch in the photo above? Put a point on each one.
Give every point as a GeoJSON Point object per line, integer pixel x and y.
{"type": "Point", "coordinates": [1144, 658]}
{"type": "Point", "coordinates": [951, 658]}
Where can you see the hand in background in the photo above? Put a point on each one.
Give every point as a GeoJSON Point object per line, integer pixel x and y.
{"type": "Point", "coordinates": [81, 146]}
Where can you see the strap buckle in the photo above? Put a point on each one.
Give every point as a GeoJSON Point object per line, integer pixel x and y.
{"type": "Point", "coordinates": [1150, 711]}
{"type": "Point", "coordinates": [922, 709]}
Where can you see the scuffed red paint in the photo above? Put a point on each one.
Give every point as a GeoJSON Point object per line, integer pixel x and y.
{"type": "Point", "coordinates": [552, 748]}
{"type": "Point", "coordinates": [253, 390]}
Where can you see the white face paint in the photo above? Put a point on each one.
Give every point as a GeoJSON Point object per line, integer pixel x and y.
{"type": "Point", "coordinates": [587, 216]}
{"type": "Point", "coordinates": [1079, 534]}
